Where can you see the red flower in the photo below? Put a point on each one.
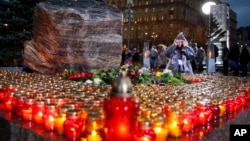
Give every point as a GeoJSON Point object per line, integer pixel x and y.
{"type": "Point", "coordinates": [89, 74]}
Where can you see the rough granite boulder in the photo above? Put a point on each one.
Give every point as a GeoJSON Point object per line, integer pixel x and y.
{"type": "Point", "coordinates": [70, 34]}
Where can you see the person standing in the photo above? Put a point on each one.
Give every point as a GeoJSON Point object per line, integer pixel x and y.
{"type": "Point", "coordinates": [194, 61]}
{"type": "Point", "coordinates": [234, 58]}
{"type": "Point", "coordinates": [244, 60]}
{"type": "Point", "coordinates": [124, 49]}
{"type": "Point", "coordinates": [225, 55]}
{"type": "Point", "coordinates": [162, 60]}
{"type": "Point", "coordinates": [200, 58]}
{"type": "Point", "coordinates": [180, 55]}
{"type": "Point", "coordinates": [136, 57]}
{"type": "Point", "coordinates": [153, 57]}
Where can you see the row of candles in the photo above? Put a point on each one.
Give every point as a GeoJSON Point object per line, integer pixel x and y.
{"type": "Point", "coordinates": [89, 113]}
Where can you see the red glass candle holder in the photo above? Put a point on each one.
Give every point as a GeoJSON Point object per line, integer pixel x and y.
{"type": "Point", "coordinates": [60, 119]}
{"type": "Point", "coordinates": [120, 117]}
{"type": "Point", "coordinates": [145, 131]}
{"type": "Point", "coordinates": [27, 109]}
{"type": "Point", "coordinates": [174, 123]}
{"type": "Point", "coordinates": [38, 111]}
{"type": "Point", "coordinates": [50, 113]}
{"type": "Point", "coordinates": [18, 105]}
{"type": "Point", "coordinates": [188, 119]}
{"type": "Point", "coordinates": [73, 125]}
{"type": "Point", "coordinates": [205, 114]}
{"type": "Point", "coordinates": [215, 108]}
{"type": "Point", "coordinates": [9, 101]}
{"type": "Point", "coordinates": [160, 127]}
{"type": "Point", "coordinates": [94, 130]}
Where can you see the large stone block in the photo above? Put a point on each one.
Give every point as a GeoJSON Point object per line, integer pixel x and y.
{"type": "Point", "coordinates": [82, 35]}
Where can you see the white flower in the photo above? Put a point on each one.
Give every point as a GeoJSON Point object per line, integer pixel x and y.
{"type": "Point", "coordinates": [97, 81]}
{"type": "Point", "coordinates": [168, 72]}
{"type": "Point", "coordinates": [143, 69]}
{"type": "Point", "coordinates": [89, 81]}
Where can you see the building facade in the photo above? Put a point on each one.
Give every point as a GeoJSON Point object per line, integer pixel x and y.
{"type": "Point", "coordinates": [159, 21]}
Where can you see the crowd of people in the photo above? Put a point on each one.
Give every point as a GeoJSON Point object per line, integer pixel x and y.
{"type": "Point", "coordinates": [185, 57]}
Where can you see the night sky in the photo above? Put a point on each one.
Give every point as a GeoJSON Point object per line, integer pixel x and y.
{"type": "Point", "coordinates": [242, 9]}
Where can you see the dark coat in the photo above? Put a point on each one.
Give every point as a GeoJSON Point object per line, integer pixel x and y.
{"type": "Point", "coordinates": [244, 56]}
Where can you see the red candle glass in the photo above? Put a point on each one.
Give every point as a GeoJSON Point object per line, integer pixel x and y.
{"type": "Point", "coordinates": [18, 105]}
{"type": "Point", "coordinates": [50, 113]}
{"type": "Point", "coordinates": [160, 128]}
{"type": "Point", "coordinates": [38, 111]}
{"type": "Point", "coordinates": [73, 125]}
{"type": "Point", "coordinates": [9, 101]}
{"type": "Point", "coordinates": [27, 109]}
{"type": "Point", "coordinates": [204, 112]}
{"type": "Point", "coordinates": [188, 119]}
{"type": "Point", "coordinates": [145, 131]}
{"type": "Point", "coordinates": [230, 104]}
{"type": "Point", "coordinates": [94, 128]}
{"type": "Point", "coordinates": [215, 109]}
{"type": "Point", "coordinates": [121, 109]}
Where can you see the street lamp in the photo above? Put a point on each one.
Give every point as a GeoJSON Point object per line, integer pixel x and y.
{"type": "Point", "coordinates": [206, 8]}
{"type": "Point", "coordinates": [154, 36]}
{"type": "Point", "coordinates": [129, 14]}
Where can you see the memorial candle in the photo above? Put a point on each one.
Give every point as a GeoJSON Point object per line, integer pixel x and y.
{"type": "Point", "coordinates": [160, 128]}
{"type": "Point", "coordinates": [60, 119]}
{"type": "Point", "coordinates": [188, 119]}
{"type": "Point", "coordinates": [49, 116]}
{"type": "Point", "coordinates": [94, 128]}
{"type": "Point", "coordinates": [120, 110]}
{"type": "Point", "coordinates": [73, 125]}
{"type": "Point", "coordinates": [94, 136]}
{"type": "Point", "coordinates": [38, 111]}
{"type": "Point", "coordinates": [145, 131]}
{"type": "Point", "coordinates": [18, 105]}
{"type": "Point", "coordinates": [9, 101]}
{"type": "Point", "coordinates": [27, 109]}
{"type": "Point", "coordinates": [174, 123]}
{"type": "Point", "coordinates": [204, 112]}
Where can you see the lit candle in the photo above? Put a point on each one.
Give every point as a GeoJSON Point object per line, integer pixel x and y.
{"type": "Point", "coordinates": [94, 127]}
{"type": "Point", "coordinates": [49, 117]}
{"type": "Point", "coordinates": [94, 136]}
{"type": "Point", "coordinates": [38, 111]}
{"type": "Point", "coordinates": [9, 101]}
{"type": "Point", "coordinates": [60, 119]}
{"type": "Point", "coordinates": [173, 123]}
{"type": "Point", "coordinates": [188, 119]}
{"type": "Point", "coordinates": [27, 109]}
{"type": "Point", "coordinates": [18, 105]}
{"type": "Point", "coordinates": [160, 128]}
{"type": "Point", "coordinates": [73, 125]}
{"type": "Point", "coordinates": [145, 131]}
{"type": "Point", "coordinates": [120, 110]}
{"type": "Point", "coordinates": [174, 129]}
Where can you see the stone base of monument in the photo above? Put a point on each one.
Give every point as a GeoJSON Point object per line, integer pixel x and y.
{"type": "Point", "coordinates": [81, 35]}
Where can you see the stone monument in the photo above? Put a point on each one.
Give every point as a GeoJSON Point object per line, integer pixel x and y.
{"type": "Point", "coordinates": [74, 34]}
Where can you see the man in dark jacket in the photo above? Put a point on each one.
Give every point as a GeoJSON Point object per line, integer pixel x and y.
{"type": "Point", "coordinates": [244, 60]}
